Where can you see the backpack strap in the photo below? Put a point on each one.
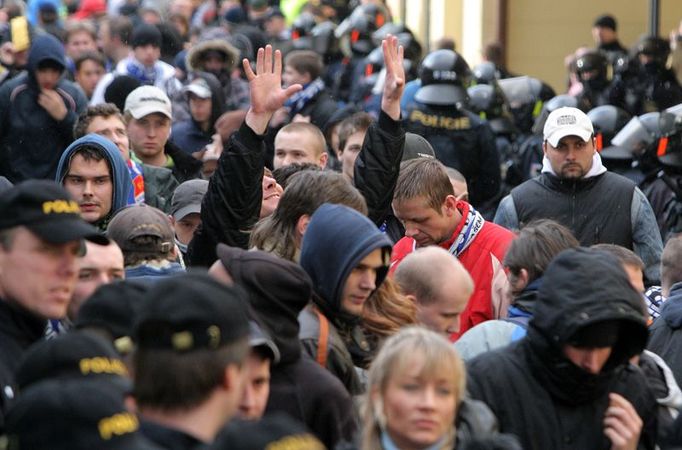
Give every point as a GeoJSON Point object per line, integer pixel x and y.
{"type": "Point", "coordinates": [322, 342]}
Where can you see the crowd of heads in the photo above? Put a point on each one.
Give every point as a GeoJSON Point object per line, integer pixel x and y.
{"type": "Point", "coordinates": [237, 225]}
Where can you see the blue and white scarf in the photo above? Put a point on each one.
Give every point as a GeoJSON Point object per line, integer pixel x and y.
{"type": "Point", "coordinates": [145, 75]}
{"type": "Point", "coordinates": [472, 226]}
{"type": "Point", "coordinates": [299, 100]}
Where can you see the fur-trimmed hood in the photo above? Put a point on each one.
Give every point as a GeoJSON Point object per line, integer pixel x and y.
{"type": "Point", "coordinates": [196, 53]}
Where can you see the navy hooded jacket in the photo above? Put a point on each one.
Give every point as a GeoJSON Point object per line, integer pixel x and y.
{"type": "Point", "coordinates": [31, 141]}
{"type": "Point", "coordinates": [188, 134]}
{"type": "Point", "coordinates": [330, 258]}
{"type": "Point", "coordinates": [120, 176]}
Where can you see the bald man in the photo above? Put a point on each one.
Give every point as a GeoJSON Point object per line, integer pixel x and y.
{"type": "Point", "coordinates": [440, 295]}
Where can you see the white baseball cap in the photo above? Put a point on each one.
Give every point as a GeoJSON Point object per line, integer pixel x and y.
{"type": "Point", "coordinates": [147, 100]}
{"type": "Point", "coordinates": [198, 87]}
{"type": "Point", "coordinates": [567, 121]}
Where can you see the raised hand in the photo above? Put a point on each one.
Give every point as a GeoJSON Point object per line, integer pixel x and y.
{"type": "Point", "coordinates": [395, 76]}
{"type": "Point", "coordinates": [267, 95]}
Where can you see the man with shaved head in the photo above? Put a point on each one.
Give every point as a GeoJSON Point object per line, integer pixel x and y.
{"type": "Point", "coordinates": [440, 295]}
{"type": "Point", "coordinates": [300, 142]}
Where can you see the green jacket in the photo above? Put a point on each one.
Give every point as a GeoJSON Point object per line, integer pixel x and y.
{"type": "Point", "coordinates": [159, 185]}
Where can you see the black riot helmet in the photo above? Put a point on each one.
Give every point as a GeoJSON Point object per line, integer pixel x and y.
{"type": "Point", "coordinates": [323, 39]}
{"type": "Point", "coordinates": [592, 68]}
{"type": "Point", "coordinates": [411, 46]}
{"type": "Point", "coordinates": [489, 103]}
{"type": "Point", "coordinates": [486, 73]}
{"type": "Point", "coordinates": [363, 21]}
{"type": "Point", "coordinates": [526, 97]}
{"type": "Point", "coordinates": [389, 28]}
{"type": "Point", "coordinates": [654, 47]}
{"type": "Point", "coordinates": [302, 26]}
{"type": "Point", "coordinates": [607, 120]}
{"type": "Point", "coordinates": [444, 75]}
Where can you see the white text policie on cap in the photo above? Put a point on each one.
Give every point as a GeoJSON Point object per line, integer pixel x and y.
{"type": "Point", "coordinates": [567, 122]}
{"type": "Point", "coordinates": [147, 100]}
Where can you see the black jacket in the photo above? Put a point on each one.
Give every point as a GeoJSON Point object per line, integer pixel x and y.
{"type": "Point", "coordinates": [232, 203]}
{"type": "Point", "coordinates": [376, 172]}
{"type": "Point", "coordinates": [18, 331]}
{"type": "Point", "coordinates": [170, 438]}
{"type": "Point", "coordinates": [278, 290]}
{"type": "Point", "coordinates": [536, 392]}
{"type": "Point", "coordinates": [185, 166]}
{"type": "Point", "coordinates": [666, 332]}
{"type": "Point", "coordinates": [463, 141]}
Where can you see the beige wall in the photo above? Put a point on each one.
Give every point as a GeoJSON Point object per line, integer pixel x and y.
{"type": "Point", "coordinates": [540, 33]}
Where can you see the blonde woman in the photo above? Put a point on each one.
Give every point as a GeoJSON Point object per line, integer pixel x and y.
{"type": "Point", "coordinates": [415, 386]}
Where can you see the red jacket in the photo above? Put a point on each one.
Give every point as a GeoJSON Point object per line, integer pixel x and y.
{"type": "Point", "coordinates": [483, 260]}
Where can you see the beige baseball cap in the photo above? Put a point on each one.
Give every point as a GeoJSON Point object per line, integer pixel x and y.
{"type": "Point", "coordinates": [147, 100]}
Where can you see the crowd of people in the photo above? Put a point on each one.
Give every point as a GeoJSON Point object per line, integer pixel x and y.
{"type": "Point", "coordinates": [279, 225]}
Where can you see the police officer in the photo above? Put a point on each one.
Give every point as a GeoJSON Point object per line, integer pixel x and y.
{"type": "Point", "coordinates": [460, 139]}
{"type": "Point", "coordinates": [356, 33]}
{"type": "Point", "coordinates": [592, 71]}
{"type": "Point", "coordinates": [650, 86]}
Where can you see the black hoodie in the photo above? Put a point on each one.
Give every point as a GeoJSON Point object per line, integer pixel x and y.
{"type": "Point", "coordinates": [278, 290]}
{"type": "Point", "coordinates": [536, 392]}
{"type": "Point", "coordinates": [31, 141]}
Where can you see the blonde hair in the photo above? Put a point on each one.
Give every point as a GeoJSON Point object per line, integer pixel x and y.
{"type": "Point", "coordinates": [396, 355]}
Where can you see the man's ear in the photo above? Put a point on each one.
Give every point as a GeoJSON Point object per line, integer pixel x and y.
{"type": "Point", "coordinates": [231, 376]}
{"type": "Point", "coordinates": [324, 157]}
{"type": "Point", "coordinates": [524, 277]}
{"type": "Point", "coordinates": [302, 225]}
{"type": "Point", "coordinates": [544, 148]}
{"type": "Point", "coordinates": [450, 205]}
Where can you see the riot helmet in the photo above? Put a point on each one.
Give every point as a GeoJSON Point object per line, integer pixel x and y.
{"type": "Point", "coordinates": [592, 70]}
{"type": "Point", "coordinates": [444, 76]}
{"type": "Point", "coordinates": [607, 121]}
{"type": "Point", "coordinates": [363, 21]}
{"type": "Point", "coordinates": [653, 50]}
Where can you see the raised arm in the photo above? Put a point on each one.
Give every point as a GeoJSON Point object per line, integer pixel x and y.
{"type": "Point", "coordinates": [377, 165]}
{"type": "Point", "coordinates": [232, 203]}
{"type": "Point", "coordinates": [395, 77]}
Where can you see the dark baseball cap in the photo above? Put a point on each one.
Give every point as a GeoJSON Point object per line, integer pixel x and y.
{"type": "Point", "coordinates": [75, 355]}
{"type": "Point", "coordinates": [47, 210]}
{"type": "Point", "coordinates": [191, 311]}
{"type": "Point", "coordinates": [74, 415]}
{"type": "Point", "coordinates": [113, 307]}
{"type": "Point", "coordinates": [417, 147]}
{"type": "Point", "coordinates": [187, 198]}
{"type": "Point", "coordinates": [141, 220]}
{"type": "Point", "coordinates": [260, 339]}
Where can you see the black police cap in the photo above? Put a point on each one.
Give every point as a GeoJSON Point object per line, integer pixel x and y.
{"type": "Point", "coordinates": [46, 209]}
{"type": "Point", "coordinates": [191, 311]}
